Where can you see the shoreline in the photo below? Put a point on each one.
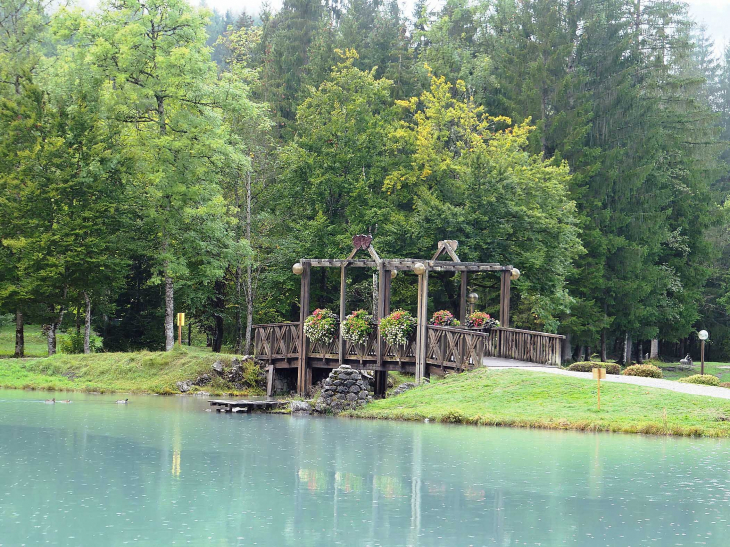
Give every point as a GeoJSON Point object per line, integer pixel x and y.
{"type": "Point", "coordinates": [490, 397]}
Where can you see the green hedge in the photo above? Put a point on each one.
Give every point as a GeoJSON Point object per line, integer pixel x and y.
{"type": "Point", "coordinates": [704, 379]}
{"type": "Point", "coordinates": [587, 366]}
{"type": "Point", "coordinates": [646, 371]}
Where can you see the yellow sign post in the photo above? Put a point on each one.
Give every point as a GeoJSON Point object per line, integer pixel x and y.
{"type": "Point", "coordinates": [180, 325]}
{"type": "Point", "coordinates": [599, 374]}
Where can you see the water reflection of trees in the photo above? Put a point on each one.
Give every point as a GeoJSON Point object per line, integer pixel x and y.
{"type": "Point", "coordinates": [280, 480]}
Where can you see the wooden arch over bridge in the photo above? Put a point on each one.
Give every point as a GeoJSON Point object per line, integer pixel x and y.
{"type": "Point", "coordinates": [432, 349]}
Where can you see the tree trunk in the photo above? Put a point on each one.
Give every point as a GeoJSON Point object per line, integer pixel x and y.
{"type": "Point", "coordinates": [19, 334]}
{"type": "Point", "coordinates": [239, 320]}
{"type": "Point", "coordinates": [219, 305]}
{"type": "Point", "coordinates": [681, 348]}
{"type": "Point", "coordinates": [627, 349]}
{"type": "Point", "coordinates": [249, 308]}
{"type": "Point", "coordinates": [87, 323]}
{"type": "Point", "coordinates": [603, 345]}
{"type": "Point", "coordinates": [169, 312]}
{"type": "Point", "coordinates": [249, 270]}
{"type": "Point", "coordinates": [190, 333]}
{"type": "Point", "coordinates": [654, 351]}
{"type": "Point", "coordinates": [52, 329]}
{"type": "Point", "coordinates": [640, 352]}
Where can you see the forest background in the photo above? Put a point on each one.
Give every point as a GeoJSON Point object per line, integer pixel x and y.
{"type": "Point", "coordinates": [158, 158]}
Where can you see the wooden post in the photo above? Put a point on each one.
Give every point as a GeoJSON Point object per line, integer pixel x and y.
{"type": "Point", "coordinates": [598, 374]}
{"type": "Point", "coordinates": [270, 380]}
{"type": "Point", "coordinates": [504, 300]}
{"type": "Point", "coordinates": [302, 386]}
{"type": "Point", "coordinates": [343, 310]}
{"type": "Point", "coordinates": [421, 327]}
{"type": "Point", "coordinates": [462, 298]}
{"type": "Point", "coordinates": [381, 376]}
{"type": "Point", "coordinates": [419, 374]}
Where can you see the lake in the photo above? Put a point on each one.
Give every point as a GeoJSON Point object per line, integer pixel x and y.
{"type": "Point", "coordinates": [163, 471]}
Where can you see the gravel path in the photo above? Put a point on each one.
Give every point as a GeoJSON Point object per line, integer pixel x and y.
{"type": "Point", "coordinates": [692, 389]}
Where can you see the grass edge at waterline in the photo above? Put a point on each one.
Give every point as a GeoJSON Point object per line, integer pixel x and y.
{"type": "Point", "coordinates": [129, 372]}
{"type": "Point", "coordinates": [530, 399]}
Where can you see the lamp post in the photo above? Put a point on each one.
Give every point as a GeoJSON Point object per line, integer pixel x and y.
{"type": "Point", "coordinates": [702, 335]}
{"type": "Point", "coordinates": [472, 298]}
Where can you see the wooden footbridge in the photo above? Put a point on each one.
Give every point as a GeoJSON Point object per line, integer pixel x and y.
{"type": "Point", "coordinates": [430, 350]}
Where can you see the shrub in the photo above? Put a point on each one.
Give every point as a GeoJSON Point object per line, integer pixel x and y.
{"type": "Point", "coordinates": [646, 371]}
{"type": "Point", "coordinates": [704, 379]}
{"type": "Point", "coordinates": [587, 366]}
{"type": "Point", "coordinates": [444, 318]}
{"type": "Point", "coordinates": [481, 320]}
{"type": "Point", "coordinates": [397, 327]}
{"type": "Point", "coordinates": [321, 326]}
{"type": "Point", "coordinates": [357, 327]}
{"type": "Point", "coordinates": [73, 342]}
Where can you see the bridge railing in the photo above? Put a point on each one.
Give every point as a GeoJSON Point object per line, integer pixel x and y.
{"type": "Point", "coordinates": [525, 345]}
{"type": "Point", "coordinates": [449, 347]}
{"type": "Point", "coordinates": [457, 348]}
{"type": "Point", "coordinates": [277, 342]}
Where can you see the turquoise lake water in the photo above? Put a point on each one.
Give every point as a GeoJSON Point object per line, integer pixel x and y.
{"type": "Point", "coordinates": [162, 471]}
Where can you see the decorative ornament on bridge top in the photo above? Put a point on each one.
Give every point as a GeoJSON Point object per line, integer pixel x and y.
{"type": "Point", "coordinates": [362, 241]}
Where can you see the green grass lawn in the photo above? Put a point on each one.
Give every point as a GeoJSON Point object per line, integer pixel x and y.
{"type": "Point", "coordinates": [721, 370]}
{"type": "Point", "coordinates": [532, 399]}
{"type": "Point", "coordinates": [35, 341]}
{"type": "Point", "coordinates": [135, 372]}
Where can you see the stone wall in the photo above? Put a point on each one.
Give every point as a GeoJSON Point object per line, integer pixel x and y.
{"type": "Point", "coordinates": [344, 389]}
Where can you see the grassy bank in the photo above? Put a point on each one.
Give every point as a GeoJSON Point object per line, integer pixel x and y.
{"type": "Point", "coordinates": [35, 342]}
{"type": "Point", "coordinates": [531, 399]}
{"type": "Point", "coordinates": [137, 372]}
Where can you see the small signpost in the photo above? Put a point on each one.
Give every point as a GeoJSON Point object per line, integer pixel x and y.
{"type": "Point", "coordinates": [180, 325]}
{"type": "Point", "coordinates": [599, 374]}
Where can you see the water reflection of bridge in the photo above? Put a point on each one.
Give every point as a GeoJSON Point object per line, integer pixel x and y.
{"type": "Point", "coordinates": [430, 350]}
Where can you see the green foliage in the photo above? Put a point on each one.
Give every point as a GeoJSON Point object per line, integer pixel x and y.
{"type": "Point", "coordinates": [704, 379]}
{"type": "Point", "coordinates": [153, 160]}
{"type": "Point", "coordinates": [358, 326]}
{"type": "Point", "coordinates": [646, 371]}
{"type": "Point", "coordinates": [73, 342]}
{"type": "Point", "coordinates": [588, 366]}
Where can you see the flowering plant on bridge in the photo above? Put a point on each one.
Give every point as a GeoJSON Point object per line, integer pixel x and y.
{"type": "Point", "coordinates": [481, 320]}
{"type": "Point", "coordinates": [321, 326]}
{"type": "Point", "coordinates": [357, 327]}
{"type": "Point", "coordinates": [397, 327]}
{"type": "Point", "coordinates": [444, 318]}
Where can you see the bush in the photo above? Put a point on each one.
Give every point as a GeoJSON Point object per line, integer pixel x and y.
{"type": "Point", "coordinates": [646, 371]}
{"type": "Point", "coordinates": [73, 342]}
{"type": "Point", "coordinates": [587, 366]}
{"type": "Point", "coordinates": [703, 379]}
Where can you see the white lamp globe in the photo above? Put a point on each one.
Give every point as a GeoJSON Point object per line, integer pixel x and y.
{"type": "Point", "coordinates": [703, 335]}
